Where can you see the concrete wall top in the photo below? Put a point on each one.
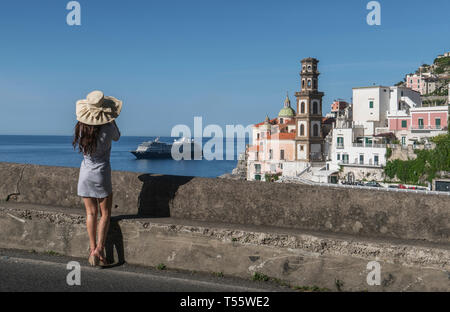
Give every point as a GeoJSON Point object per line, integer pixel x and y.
{"type": "Point", "coordinates": [362, 212]}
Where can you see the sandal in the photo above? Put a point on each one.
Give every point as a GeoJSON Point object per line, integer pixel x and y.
{"type": "Point", "coordinates": [101, 259]}
{"type": "Point", "coordinates": [93, 259]}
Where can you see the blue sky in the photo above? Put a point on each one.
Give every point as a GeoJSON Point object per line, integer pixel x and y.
{"type": "Point", "coordinates": [230, 62]}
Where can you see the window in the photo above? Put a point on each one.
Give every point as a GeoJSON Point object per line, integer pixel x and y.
{"type": "Point", "coordinates": [270, 154]}
{"type": "Point", "coordinates": [315, 108]}
{"type": "Point", "coordinates": [281, 120]}
{"type": "Point", "coordinates": [309, 83]}
{"type": "Point", "coordinates": [420, 123]}
{"type": "Point", "coordinates": [316, 130]}
{"type": "Point", "coordinates": [402, 93]}
{"type": "Point", "coordinates": [361, 159]}
{"type": "Point", "coordinates": [315, 83]}
{"type": "Point", "coordinates": [340, 142]}
{"type": "Point", "coordinates": [303, 84]}
{"type": "Point", "coordinates": [338, 157]}
{"type": "Point", "coordinates": [282, 154]}
{"type": "Point", "coordinates": [302, 148]}
{"type": "Point", "coordinates": [370, 104]}
{"type": "Point", "coordinates": [257, 168]}
{"type": "Point", "coordinates": [403, 140]}
{"type": "Point", "coordinates": [438, 123]}
{"type": "Point", "coordinates": [302, 130]}
{"type": "Point", "coordinates": [376, 160]}
{"type": "Point", "coordinates": [302, 107]}
{"type": "Point", "coordinates": [257, 136]}
{"type": "Point", "coordinates": [404, 123]}
{"type": "Point", "coordinates": [345, 158]}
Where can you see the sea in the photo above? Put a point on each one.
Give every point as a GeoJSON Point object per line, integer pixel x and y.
{"type": "Point", "coordinates": [58, 151]}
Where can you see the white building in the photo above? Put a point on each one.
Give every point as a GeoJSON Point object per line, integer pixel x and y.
{"type": "Point", "coordinates": [370, 105]}
{"type": "Point", "coordinates": [354, 154]}
{"type": "Point", "coordinates": [358, 146]}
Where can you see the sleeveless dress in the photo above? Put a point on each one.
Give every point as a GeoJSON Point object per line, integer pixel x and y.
{"type": "Point", "coordinates": [95, 171]}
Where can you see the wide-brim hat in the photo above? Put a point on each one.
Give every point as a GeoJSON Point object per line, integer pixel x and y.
{"type": "Point", "coordinates": [98, 109]}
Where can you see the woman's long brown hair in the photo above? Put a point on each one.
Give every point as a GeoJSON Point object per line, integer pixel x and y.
{"type": "Point", "coordinates": [86, 138]}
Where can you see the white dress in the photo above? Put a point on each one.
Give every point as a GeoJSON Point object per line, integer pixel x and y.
{"type": "Point", "coordinates": [95, 171]}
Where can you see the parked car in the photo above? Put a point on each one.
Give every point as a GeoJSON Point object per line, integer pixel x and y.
{"type": "Point", "coordinates": [401, 186]}
{"type": "Point", "coordinates": [393, 186]}
{"type": "Point", "coordinates": [373, 184]}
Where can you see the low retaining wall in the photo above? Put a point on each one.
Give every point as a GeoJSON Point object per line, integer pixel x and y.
{"type": "Point", "coordinates": [328, 261]}
{"type": "Point", "coordinates": [368, 212]}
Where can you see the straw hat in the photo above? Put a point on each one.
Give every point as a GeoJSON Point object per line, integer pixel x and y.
{"type": "Point", "coordinates": [98, 109]}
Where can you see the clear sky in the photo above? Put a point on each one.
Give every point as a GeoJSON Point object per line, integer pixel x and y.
{"type": "Point", "coordinates": [229, 61]}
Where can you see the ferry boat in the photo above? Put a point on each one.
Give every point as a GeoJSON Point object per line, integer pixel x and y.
{"type": "Point", "coordinates": [161, 150]}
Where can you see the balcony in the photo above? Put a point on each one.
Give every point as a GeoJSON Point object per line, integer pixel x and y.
{"type": "Point", "coordinates": [381, 130]}
{"type": "Point", "coordinates": [369, 145]}
{"type": "Point", "coordinates": [340, 146]}
{"type": "Point", "coordinates": [425, 128]}
{"type": "Point", "coordinates": [357, 163]}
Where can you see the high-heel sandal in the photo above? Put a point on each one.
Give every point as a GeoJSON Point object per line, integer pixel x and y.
{"type": "Point", "coordinates": [102, 260]}
{"type": "Point", "coordinates": [93, 259]}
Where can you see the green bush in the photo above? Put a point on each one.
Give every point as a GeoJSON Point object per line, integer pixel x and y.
{"type": "Point", "coordinates": [427, 164]}
{"type": "Point", "coordinates": [443, 61]}
{"type": "Point", "coordinates": [388, 152]}
{"type": "Point", "coordinates": [439, 70]}
{"type": "Point", "coordinates": [258, 276]}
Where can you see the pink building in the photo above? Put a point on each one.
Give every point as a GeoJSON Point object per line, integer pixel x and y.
{"type": "Point", "coordinates": [273, 144]}
{"type": "Point", "coordinates": [415, 82]}
{"type": "Point", "coordinates": [424, 83]}
{"type": "Point", "coordinates": [429, 118]}
{"type": "Point", "coordinates": [419, 123]}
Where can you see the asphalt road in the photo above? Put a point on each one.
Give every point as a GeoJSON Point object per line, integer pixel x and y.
{"type": "Point", "coordinates": [22, 271]}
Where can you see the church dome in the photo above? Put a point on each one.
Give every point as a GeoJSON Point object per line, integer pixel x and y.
{"type": "Point", "coordinates": [287, 110]}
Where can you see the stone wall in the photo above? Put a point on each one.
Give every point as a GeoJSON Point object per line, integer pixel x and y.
{"type": "Point", "coordinates": [362, 173]}
{"type": "Point", "coordinates": [360, 212]}
{"type": "Point", "coordinates": [290, 256]}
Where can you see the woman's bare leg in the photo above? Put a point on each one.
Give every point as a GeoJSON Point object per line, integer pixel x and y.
{"type": "Point", "coordinates": [91, 220]}
{"type": "Point", "coordinates": [103, 225]}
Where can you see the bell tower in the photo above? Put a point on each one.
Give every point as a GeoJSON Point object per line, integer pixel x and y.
{"type": "Point", "coordinates": [309, 141]}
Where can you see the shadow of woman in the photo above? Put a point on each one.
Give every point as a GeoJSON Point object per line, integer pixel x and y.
{"type": "Point", "coordinates": [114, 241]}
{"type": "Point", "coordinates": [154, 200]}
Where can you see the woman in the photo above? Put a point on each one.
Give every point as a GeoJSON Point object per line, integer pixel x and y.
{"type": "Point", "coordinates": [95, 130]}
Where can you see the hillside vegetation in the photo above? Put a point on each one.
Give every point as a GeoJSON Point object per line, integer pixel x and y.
{"type": "Point", "coordinates": [427, 165]}
{"type": "Point", "coordinates": [442, 65]}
